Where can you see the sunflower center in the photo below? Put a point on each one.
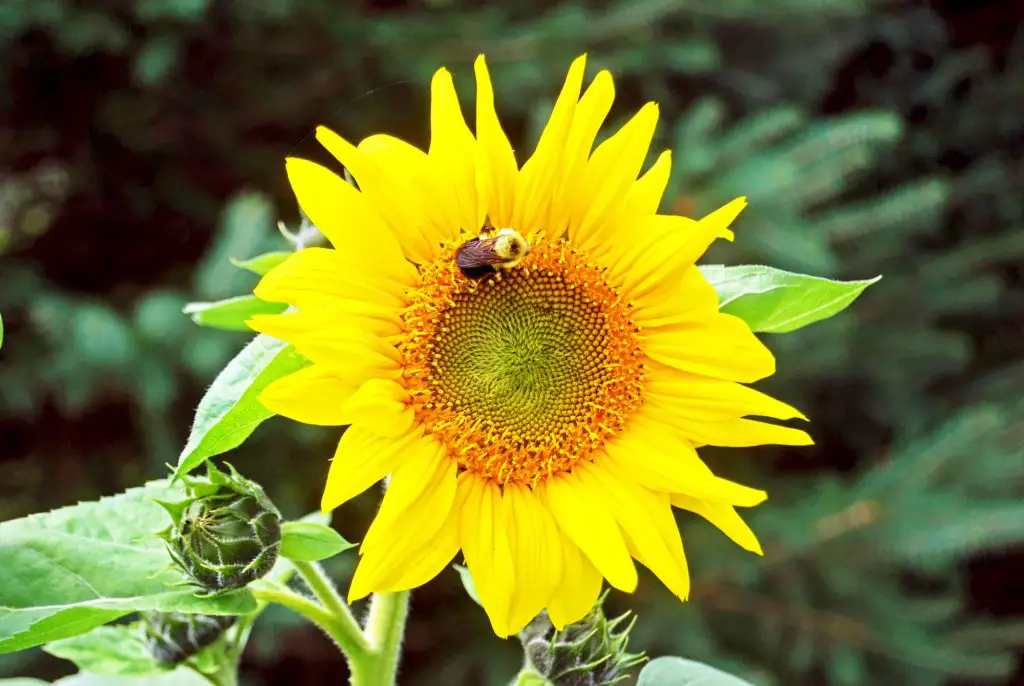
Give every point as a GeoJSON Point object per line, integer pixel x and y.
{"type": "Point", "coordinates": [520, 374]}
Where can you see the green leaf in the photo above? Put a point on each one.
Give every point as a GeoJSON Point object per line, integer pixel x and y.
{"type": "Point", "coordinates": [675, 671]}
{"type": "Point", "coordinates": [230, 411]}
{"type": "Point", "coordinates": [71, 570]}
{"type": "Point", "coordinates": [284, 569]}
{"type": "Point", "coordinates": [773, 301]}
{"type": "Point", "coordinates": [310, 542]}
{"type": "Point", "coordinates": [528, 677]}
{"type": "Point", "coordinates": [109, 651]}
{"type": "Point", "coordinates": [231, 314]}
{"type": "Point", "coordinates": [156, 59]}
{"type": "Point", "coordinates": [261, 264]}
{"type": "Point", "coordinates": [467, 583]}
{"type": "Point", "coordinates": [23, 681]}
{"type": "Point", "coordinates": [182, 676]}
{"type": "Point", "coordinates": [1, 331]}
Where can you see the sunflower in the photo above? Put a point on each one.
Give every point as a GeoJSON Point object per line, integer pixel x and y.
{"type": "Point", "coordinates": [543, 419]}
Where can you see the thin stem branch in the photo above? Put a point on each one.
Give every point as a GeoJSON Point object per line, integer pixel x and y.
{"type": "Point", "coordinates": [385, 627]}
{"type": "Point", "coordinates": [207, 677]}
{"type": "Point", "coordinates": [351, 643]}
{"type": "Point", "coordinates": [326, 592]}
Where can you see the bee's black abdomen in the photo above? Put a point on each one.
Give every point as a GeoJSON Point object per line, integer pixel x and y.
{"type": "Point", "coordinates": [477, 271]}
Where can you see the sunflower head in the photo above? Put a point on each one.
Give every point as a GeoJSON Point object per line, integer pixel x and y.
{"type": "Point", "coordinates": [536, 391]}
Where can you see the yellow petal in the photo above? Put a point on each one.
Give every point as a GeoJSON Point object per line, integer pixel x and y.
{"type": "Point", "coordinates": [486, 547]}
{"type": "Point", "coordinates": [453, 149]}
{"type": "Point", "coordinates": [347, 219]}
{"type": "Point", "coordinates": [392, 196]}
{"type": "Point", "coordinates": [679, 300]}
{"type": "Point", "coordinates": [351, 351]}
{"type": "Point", "coordinates": [577, 502]}
{"type": "Point", "coordinates": [318, 277]}
{"type": "Point", "coordinates": [533, 541]}
{"type": "Point", "coordinates": [647, 522]}
{"type": "Point", "coordinates": [313, 395]}
{"type": "Point", "coordinates": [579, 589]}
{"type": "Point", "coordinates": [496, 162]}
{"type": "Point", "coordinates": [645, 195]}
{"type": "Point", "coordinates": [425, 189]}
{"type": "Point", "coordinates": [533, 186]}
{"type": "Point", "coordinates": [382, 406]}
{"type": "Point", "coordinates": [361, 460]}
{"type": "Point", "coordinates": [412, 520]}
{"type": "Point", "coordinates": [426, 473]}
{"type": "Point", "coordinates": [647, 254]}
{"type": "Point", "coordinates": [722, 218]}
{"type": "Point", "coordinates": [694, 397]}
{"type": "Point", "coordinates": [590, 114]}
{"type": "Point", "coordinates": [654, 458]}
{"type": "Point", "coordinates": [611, 171]}
{"type": "Point", "coordinates": [433, 557]}
{"type": "Point", "coordinates": [350, 315]}
{"type": "Point", "coordinates": [721, 346]}
{"type": "Point", "coordinates": [722, 516]}
{"type": "Point", "coordinates": [743, 433]}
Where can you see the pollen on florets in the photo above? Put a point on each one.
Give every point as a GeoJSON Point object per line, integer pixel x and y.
{"type": "Point", "coordinates": [525, 372]}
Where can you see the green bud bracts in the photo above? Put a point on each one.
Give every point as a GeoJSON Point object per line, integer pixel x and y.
{"type": "Point", "coordinates": [590, 652]}
{"type": "Point", "coordinates": [226, 534]}
{"type": "Point", "coordinates": [172, 638]}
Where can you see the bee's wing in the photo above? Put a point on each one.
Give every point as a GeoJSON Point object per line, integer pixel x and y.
{"type": "Point", "coordinates": [476, 253]}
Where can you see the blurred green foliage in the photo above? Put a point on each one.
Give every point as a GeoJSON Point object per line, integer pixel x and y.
{"type": "Point", "coordinates": [142, 151]}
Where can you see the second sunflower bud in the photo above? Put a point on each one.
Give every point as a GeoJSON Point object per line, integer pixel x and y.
{"type": "Point", "coordinates": [226, 534]}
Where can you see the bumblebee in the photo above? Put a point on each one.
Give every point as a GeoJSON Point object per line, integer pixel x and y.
{"type": "Point", "coordinates": [492, 250]}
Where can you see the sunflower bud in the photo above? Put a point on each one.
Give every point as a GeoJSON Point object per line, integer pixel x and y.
{"type": "Point", "coordinates": [590, 652]}
{"type": "Point", "coordinates": [226, 534]}
{"type": "Point", "coordinates": [172, 637]}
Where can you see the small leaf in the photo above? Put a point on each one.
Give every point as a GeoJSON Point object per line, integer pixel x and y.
{"type": "Point", "coordinates": [230, 410]}
{"type": "Point", "coordinates": [1, 331]}
{"type": "Point", "coordinates": [109, 651]}
{"type": "Point", "coordinates": [310, 542]}
{"type": "Point", "coordinates": [528, 677]}
{"type": "Point", "coordinates": [774, 301]}
{"type": "Point", "coordinates": [261, 264]}
{"type": "Point", "coordinates": [156, 60]}
{"type": "Point", "coordinates": [183, 676]}
{"type": "Point", "coordinates": [675, 671]}
{"type": "Point", "coordinates": [231, 314]}
{"type": "Point", "coordinates": [71, 570]}
{"type": "Point", "coordinates": [467, 583]}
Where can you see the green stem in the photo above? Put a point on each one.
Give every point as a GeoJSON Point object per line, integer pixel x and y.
{"type": "Point", "coordinates": [225, 676]}
{"type": "Point", "coordinates": [385, 627]}
{"type": "Point", "coordinates": [327, 593]}
{"type": "Point", "coordinates": [529, 677]}
{"type": "Point", "coordinates": [351, 642]}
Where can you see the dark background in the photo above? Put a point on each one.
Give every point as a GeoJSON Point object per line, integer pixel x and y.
{"type": "Point", "coordinates": [142, 146]}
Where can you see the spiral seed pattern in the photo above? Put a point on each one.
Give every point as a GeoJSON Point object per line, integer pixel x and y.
{"type": "Point", "coordinates": [525, 372]}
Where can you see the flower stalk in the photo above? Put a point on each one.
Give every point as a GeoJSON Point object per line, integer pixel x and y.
{"type": "Point", "coordinates": [385, 628]}
{"type": "Point", "coordinates": [372, 652]}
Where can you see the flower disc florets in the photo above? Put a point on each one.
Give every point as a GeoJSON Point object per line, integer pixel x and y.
{"type": "Point", "coordinates": [227, 534]}
{"type": "Point", "coordinates": [525, 372]}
